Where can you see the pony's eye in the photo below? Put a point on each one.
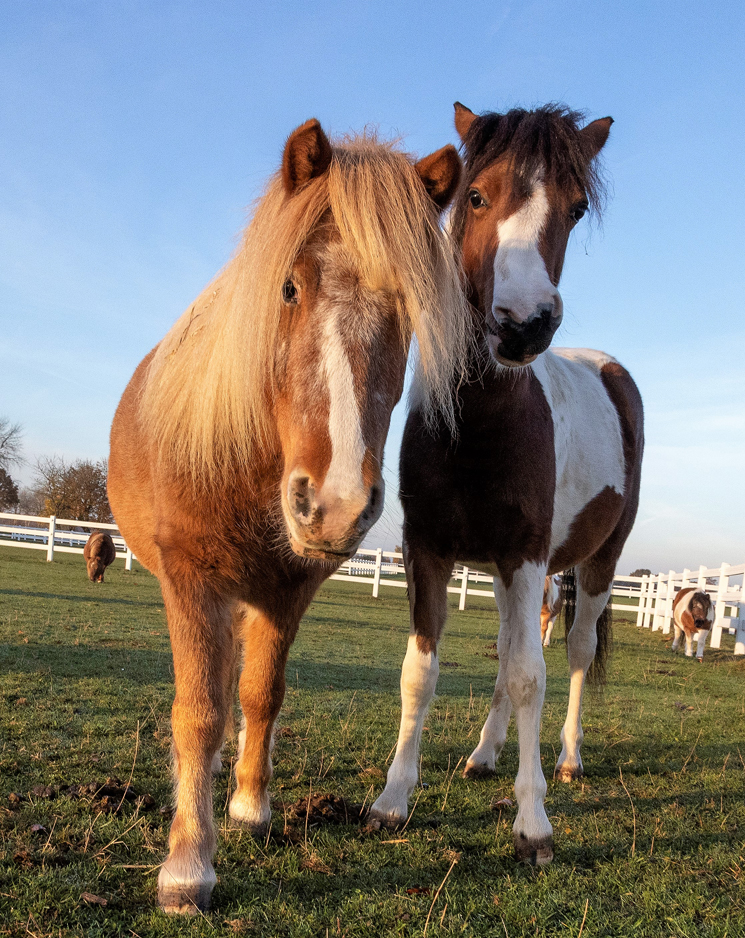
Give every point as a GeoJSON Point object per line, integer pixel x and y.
{"type": "Point", "coordinates": [577, 212]}
{"type": "Point", "coordinates": [289, 293]}
{"type": "Point", "coordinates": [476, 198]}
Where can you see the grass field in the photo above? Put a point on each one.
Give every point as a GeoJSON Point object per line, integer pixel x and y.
{"type": "Point", "coordinates": [650, 843]}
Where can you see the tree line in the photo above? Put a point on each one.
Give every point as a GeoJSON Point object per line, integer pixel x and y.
{"type": "Point", "coordinates": [75, 490]}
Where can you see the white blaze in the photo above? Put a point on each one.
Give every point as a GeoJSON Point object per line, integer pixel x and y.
{"type": "Point", "coordinates": [521, 281]}
{"type": "Point", "coordinates": [344, 476]}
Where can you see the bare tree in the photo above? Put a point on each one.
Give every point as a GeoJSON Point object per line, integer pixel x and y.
{"type": "Point", "coordinates": [10, 443]}
{"type": "Point", "coordinates": [77, 490]}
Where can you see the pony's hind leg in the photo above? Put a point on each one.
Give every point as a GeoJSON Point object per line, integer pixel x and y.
{"type": "Point", "coordinates": [482, 761]}
{"type": "Point", "coordinates": [582, 644]}
{"type": "Point", "coordinates": [428, 578]}
{"type": "Point", "coordinates": [266, 645]}
{"type": "Point", "coordinates": [202, 645]}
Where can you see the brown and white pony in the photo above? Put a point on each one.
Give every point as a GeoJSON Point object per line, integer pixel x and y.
{"type": "Point", "coordinates": [544, 471]}
{"type": "Point", "coordinates": [246, 452]}
{"type": "Point", "coordinates": [99, 553]}
{"type": "Point", "coordinates": [692, 612]}
{"type": "Point", "coordinates": [552, 603]}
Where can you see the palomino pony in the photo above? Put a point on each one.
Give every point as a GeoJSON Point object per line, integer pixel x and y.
{"type": "Point", "coordinates": [544, 471]}
{"type": "Point", "coordinates": [552, 603]}
{"type": "Point", "coordinates": [246, 452]}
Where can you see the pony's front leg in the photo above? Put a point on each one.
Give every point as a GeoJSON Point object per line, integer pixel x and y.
{"type": "Point", "coordinates": [689, 644]}
{"type": "Point", "coordinates": [701, 643]}
{"type": "Point", "coordinates": [266, 645]}
{"type": "Point", "coordinates": [428, 577]}
{"type": "Point", "coordinates": [582, 643]}
{"type": "Point", "coordinates": [202, 643]}
{"type": "Point", "coordinates": [525, 680]}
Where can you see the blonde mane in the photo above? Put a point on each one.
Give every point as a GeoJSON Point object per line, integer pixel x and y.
{"type": "Point", "coordinates": [207, 398]}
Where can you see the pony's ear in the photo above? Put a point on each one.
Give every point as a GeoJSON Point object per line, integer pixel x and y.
{"type": "Point", "coordinates": [595, 135]}
{"type": "Point", "coordinates": [307, 155]}
{"type": "Point", "coordinates": [440, 173]}
{"type": "Point", "coordinates": [464, 117]}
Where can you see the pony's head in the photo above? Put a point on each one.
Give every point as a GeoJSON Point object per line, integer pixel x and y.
{"type": "Point", "coordinates": [701, 610]}
{"type": "Point", "coordinates": [345, 328]}
{"type": "Point", "coordinates": [530, 177]}
{"type": "Point", "coordinates": [96, 569]}
{"type": "Point", "coordinates": [297, 352]}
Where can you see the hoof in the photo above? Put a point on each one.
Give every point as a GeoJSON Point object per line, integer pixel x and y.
{"type": "Point", "coordinates": [474, 770]}
{"type": "Point", "coordinates": [535, 852]}
{"type": "Point", "coordinates": [185, 900]}
{"type": "Point", "coordinates": [568, 773]}
{"type": "Point", "coordinates": [257, 828]}
{"type": "Point", "coordinates": [386, 819]}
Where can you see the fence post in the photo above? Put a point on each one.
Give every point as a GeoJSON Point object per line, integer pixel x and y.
{"type": "Point", "coordinates": [669, 603]}
{"type": "Point", "coordinates": [376, 578]}
{"type": "Point", "coordinates": [716, 629]}
{"type": "Point", "coordinates": [50, 537]}
{"type": "Point", "coordinates": [649, 598]}
{"type": "Point", "coordinates": [128, 559]}
{"type": "Point", "coordinates": [701, 582]}
{"type": "Point", "coordinates": [642, 602]}
{"type": "Point", "coordinates": [686, 578]}
{"type": "Point", "coordinates": [463, 589]}
{"type": "Point", "coordinates": [657, 616]}
{"type": "Point", "coordinates": [740, 632]}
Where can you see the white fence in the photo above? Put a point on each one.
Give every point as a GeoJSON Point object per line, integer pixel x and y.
{"type": "Point", "coordinates": [652, 596]}
{"type": "Point", "coordinates": [47, 534]}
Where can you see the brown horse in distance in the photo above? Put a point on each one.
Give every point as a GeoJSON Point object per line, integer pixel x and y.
{"type": "Point", "coordinates": [544, 471]}
{"type": "Point", "coordinates": [99, 553]}
{"type": "Point", "coordinates": [246, 452]}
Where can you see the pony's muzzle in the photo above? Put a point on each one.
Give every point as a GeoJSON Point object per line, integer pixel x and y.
{"type": "Point", "coordinates": [327, 524]}
{"type": "Point", "coordinates": [519, 342]}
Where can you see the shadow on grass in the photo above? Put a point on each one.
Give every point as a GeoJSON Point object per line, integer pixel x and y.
{"type": "Point", "coordinates": [93, 598]}
{"type": "Point", "coordinates": [83, 661]}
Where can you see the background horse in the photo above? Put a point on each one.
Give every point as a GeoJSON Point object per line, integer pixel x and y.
{"type": "Point", "coordinates": [544, 471]}
{"type": "Point", "coordinates": [692, 612]}
{"type": "Point", "coordinates": [552, 603]}
{"type": "Point", "coordinates": [99, 553]}
{"type": "Point", "coordinates": [246, 452]}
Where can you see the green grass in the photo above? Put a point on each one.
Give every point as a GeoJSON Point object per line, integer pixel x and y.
{"type": "Point", "coordinates": [85, 693]}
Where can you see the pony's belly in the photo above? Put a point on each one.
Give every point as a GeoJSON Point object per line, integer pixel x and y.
{"type": "Point", "coordinates": [490, 569]}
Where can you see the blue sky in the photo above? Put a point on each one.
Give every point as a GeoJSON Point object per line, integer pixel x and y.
{"type": "Point", "coordinates": [135, 136]}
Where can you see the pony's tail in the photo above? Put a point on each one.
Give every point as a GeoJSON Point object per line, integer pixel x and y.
{"type": "Point", "coordinates": [597, 672]}
{"type": "Point", "coordinates": [569, 599]}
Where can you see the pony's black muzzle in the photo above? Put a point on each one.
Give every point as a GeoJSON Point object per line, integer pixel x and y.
{"type": "Point", "coordinates": [522, 341]}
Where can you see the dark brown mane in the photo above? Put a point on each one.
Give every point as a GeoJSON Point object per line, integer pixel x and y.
{"type": "Point", "coordinates": [548, 138]}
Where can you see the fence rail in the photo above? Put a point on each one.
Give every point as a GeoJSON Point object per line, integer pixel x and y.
{"type": "Point", "coordinates": [651, 596]}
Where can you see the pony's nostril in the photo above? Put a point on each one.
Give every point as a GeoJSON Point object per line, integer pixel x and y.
{"type": "Point", "coordinates": [300, 501]}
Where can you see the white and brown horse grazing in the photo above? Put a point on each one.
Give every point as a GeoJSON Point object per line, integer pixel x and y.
{"type": "Point", "coordinates": [246, 452]}
{"type": "Point", "coordinates": [543, 473]}
{"type": "Point", "coordinates": [99, 553]}
{"type": "Point", "coordinates": [552, 603]}
{"type": "Point", "coordinates": [692, 612]}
